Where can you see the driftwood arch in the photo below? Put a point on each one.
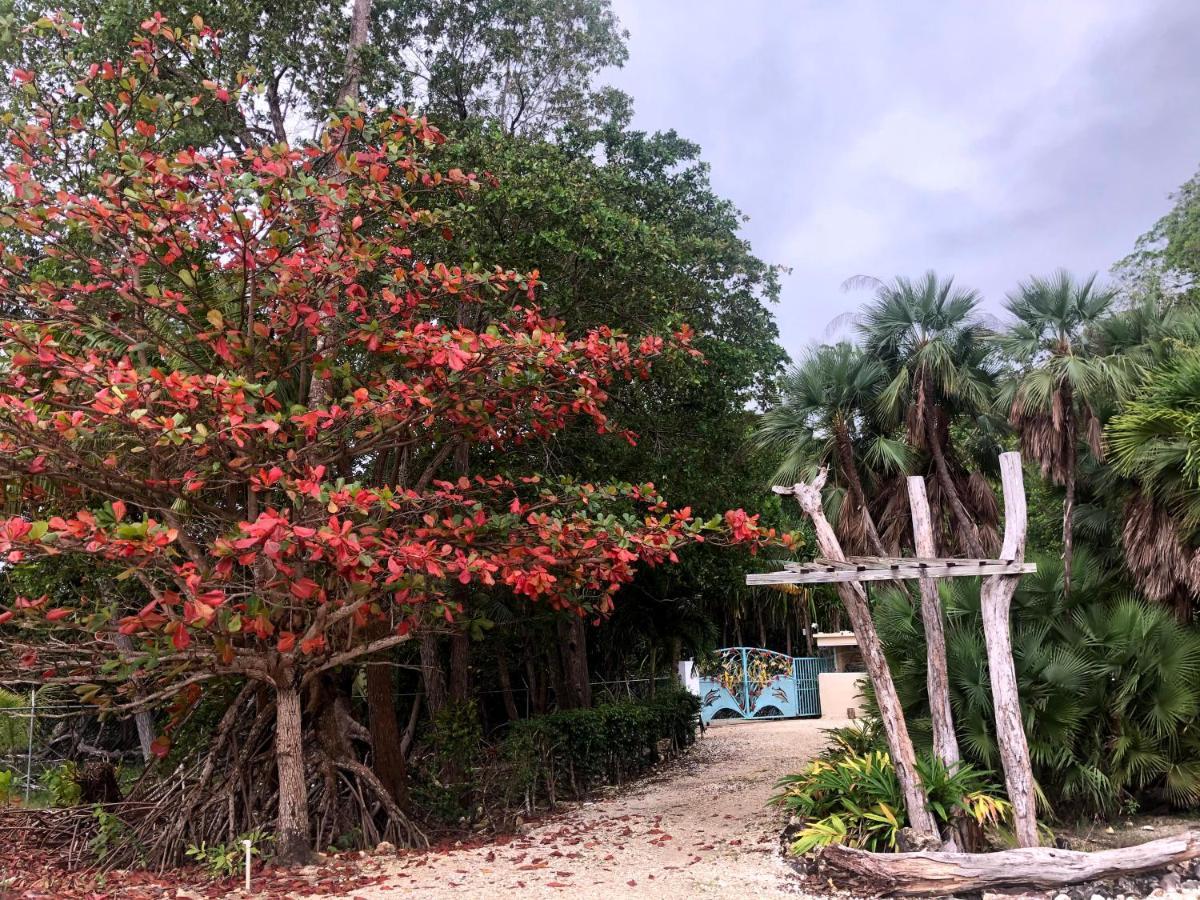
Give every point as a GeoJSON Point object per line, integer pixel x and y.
{"type": "Point", "coordinates": [919, 872]}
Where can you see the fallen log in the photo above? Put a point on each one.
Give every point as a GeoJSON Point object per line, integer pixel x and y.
{"type": "Point", "coordinates": [936, 873]}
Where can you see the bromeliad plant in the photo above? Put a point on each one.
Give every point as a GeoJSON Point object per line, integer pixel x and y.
{"type": "Point", "coordinates": [233, 377]}
{"type": "Point", "coordinates": [855, 799]}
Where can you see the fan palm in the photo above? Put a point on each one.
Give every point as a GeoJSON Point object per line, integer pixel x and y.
{"type": "Point", "coordinates": [1053, 397]}
{"type": "Point", "coordinates": [929, 338]}
{"type": "Point", "coordinates": [1155, 442]}
{"type": "Point", "coordinates": [822, 421]}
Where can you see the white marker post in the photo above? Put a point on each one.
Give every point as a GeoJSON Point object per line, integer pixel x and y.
{"type": "Point", "coordinates": [246, 844]}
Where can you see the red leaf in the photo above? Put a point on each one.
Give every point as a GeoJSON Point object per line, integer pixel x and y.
{"type": "Point", "coordinates": [286, 641]}
{"type": "Point", "coordinates": [118, 508]}
{"type": "Point", "coordinates": [160, 746]}
{"type": "Point", "coordinates": [59, 613]}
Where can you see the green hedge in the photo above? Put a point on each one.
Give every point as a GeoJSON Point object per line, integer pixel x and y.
{"type": "Point", "coordinates": [566, 754]}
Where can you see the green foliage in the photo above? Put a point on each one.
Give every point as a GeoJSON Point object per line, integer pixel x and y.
{"type": "Point", "coordinates": [1109, 686]}
{"type": "Point", "coordinates": [61, 784]}
{"type": "Point", "coordinates": [566, 754]}
{"type": "Point", "coordinates": [111, 834]}
{"type": "Point", "coordinates": [1156, 438]}
{"type": "Point", "coordinates": [455, 735]}
{"type": "Point", "coordinates": [859, 738]}
{"type": "Point", "coordinates": [13, 728]}
{"type": "Point", "coordinates": [855, 799]}
{"type": "Point", "coordinates": [8, 785]}
{"type": "Point", "coordinates": [223, 860]}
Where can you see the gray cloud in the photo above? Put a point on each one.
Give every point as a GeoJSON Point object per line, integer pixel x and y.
{"type": "Point", "coordinates": [986, 140]}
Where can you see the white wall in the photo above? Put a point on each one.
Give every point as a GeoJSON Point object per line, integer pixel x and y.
{"type": "Point", "coordinates": [841, 695]}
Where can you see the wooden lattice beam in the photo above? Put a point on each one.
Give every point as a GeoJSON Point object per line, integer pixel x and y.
{"type": "Point", "coordinates": [822, 572]}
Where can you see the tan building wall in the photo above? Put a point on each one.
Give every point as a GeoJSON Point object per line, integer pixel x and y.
{"type": "Point", "coordinates": [840, 694]}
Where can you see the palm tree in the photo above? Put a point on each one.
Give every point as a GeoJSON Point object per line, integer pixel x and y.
{"type": "Point", "coordinates": [1155, 442]}
{"type": "Point", "coordinates": [933, 346]}
{"type": "Point", "coordinates": [1052, 399]}
{"type": "Point", "coordinates": [821, 420]}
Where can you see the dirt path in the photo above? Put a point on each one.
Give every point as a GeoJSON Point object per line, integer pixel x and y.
{"type": "Point", "coordinates": [698, 829]}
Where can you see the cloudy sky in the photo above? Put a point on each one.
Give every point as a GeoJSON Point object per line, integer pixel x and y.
{"type": "Point", "coordinates": [990, 141]}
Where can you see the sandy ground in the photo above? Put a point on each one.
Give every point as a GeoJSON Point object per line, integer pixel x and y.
{"type": "Point", "coordinates": [699, 828]}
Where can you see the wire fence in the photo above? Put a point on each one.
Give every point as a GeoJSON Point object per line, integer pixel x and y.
{"type": "Point", "coordinates": [32, 734]}
{"type": "Point", "coordinates": [39, 733]}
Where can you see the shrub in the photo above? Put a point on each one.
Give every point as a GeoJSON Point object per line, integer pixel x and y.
{"type": "Point", "coordinates": [566, 754]}
{"type": "Point", "coordinates": [855, 799]}
{"type": "Point", "coordinates": [1109, 687]}
{"type": "Point", "coordinates": [62, 784]}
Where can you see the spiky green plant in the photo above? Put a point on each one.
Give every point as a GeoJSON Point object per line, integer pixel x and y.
{"type": "Point", "coordinates": [855, 799]}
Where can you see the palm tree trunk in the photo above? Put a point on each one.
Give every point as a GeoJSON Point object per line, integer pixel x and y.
{"type": "Point", "coordinates": [1068, 531]}
{"type": "Point", "coordinates": [967, 530]}
{"type": "Point", "coordinates": [858, 495]}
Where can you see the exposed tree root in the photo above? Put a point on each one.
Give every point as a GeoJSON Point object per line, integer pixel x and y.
{"type": "Point", "coordinates": [230, 789]}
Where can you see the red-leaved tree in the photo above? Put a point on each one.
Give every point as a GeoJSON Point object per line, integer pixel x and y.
{"type": "Point", "coordinates": [232, 378]}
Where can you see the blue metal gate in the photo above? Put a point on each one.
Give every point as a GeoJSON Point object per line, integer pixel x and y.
{"type": "Point", "coordinates": [760, 684]}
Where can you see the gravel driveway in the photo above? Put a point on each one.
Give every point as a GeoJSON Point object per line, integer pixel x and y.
{"type": "Point", "coordinates": [698, 828]}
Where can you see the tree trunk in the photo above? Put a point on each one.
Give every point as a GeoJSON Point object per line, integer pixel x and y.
{"type": "Point", "coordinates": [959, 874]}
{"type": "Point", "coordinates": [968, 533]}
{"type": "Point", "coordinates": [653, 670]}
{"type": "Point", "coordinates": [432, 673]}
{"type": "Point", "coordinates": [806, 622]}
{"type": "Point", "coordinates": [506, 689]}
{"type": "Point", "coordinates": [360, 20]}
{"type": "Point", "coordinates": [460, 671]}
{"type": "Point", "coordinates": [945, 741]}
{"type": "Point", "coordinates": [291, 825]}
{"type": "Point", "coordinates": [762, 625]}
{"type": "Point", "coordinates": [144, 719]}
{"type": "Point", "coordinates": [1070, 439]}
{"type": "Point", "coordinates": [854, 598]}
{"type": "Point", "coordinates": [858, 495]}
{"type": "Point", "coordinates": [387, 754]}
{"type": "Point", "coordinates": [996, 596]}
{"type": "Point", "coordinates": [576, 680]}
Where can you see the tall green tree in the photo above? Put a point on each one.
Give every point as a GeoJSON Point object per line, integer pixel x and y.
{"type": "Point", "coordinates": [1053, 396]}
{"type": "Point", "coordinates": [934, 347]}
{"type": "Point", "coordinates": [531, 66]}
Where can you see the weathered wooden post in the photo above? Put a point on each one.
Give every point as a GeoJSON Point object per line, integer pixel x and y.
{"type": "Point", "coordinates": [995, 597]}
{"type": "Point", "coordinates": [937, 675]}
{"type": "Point", "coordinates": [854, 598]}
{"type": "Point", "coordinates": [945, 741]}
